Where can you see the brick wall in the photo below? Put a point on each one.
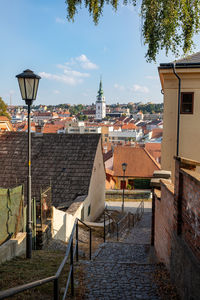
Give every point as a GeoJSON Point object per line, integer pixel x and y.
{"type": "Point", "coordinates": [164, 222]}
{"type": "Point", "coordinates": [191, 211]}
{"type": "Point", "coordinates": [177, 228]}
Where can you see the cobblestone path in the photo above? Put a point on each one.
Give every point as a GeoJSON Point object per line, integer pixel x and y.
{"type": "Point", "coordinates": [124, 270]}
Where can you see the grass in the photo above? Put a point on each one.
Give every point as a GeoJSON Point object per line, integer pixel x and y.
{"type": "Point", "coordinates": [43, 264]}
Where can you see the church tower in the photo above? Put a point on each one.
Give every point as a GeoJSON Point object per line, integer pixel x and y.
{"type": "Point", "coordinates": [100, 104]}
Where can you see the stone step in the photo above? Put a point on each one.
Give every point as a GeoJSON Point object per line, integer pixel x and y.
{"type": "Point", "coordinates": [114, 280]}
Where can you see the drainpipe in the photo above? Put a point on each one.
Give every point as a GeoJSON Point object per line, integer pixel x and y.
{"type": "Point", "coordinates": [179, 106]}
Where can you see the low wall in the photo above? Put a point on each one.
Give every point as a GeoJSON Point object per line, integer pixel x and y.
{"type": "Point", "coordinates": [129, 195]}
{"type": "Point", "coordinates": [164, 222]}
{"type": "Point", "coordinates": [177, 228]}
{"type": "Point", "coordinates": [63, 223]}
{"type": "Point", "coordinates": [14, 247]}
{"type": "Point", "coordinates": [184, 270]}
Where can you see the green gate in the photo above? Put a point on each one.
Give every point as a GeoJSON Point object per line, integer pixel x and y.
{"type": "Point", "coordinates": [11, 212]}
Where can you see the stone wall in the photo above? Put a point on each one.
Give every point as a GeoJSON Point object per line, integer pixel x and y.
{"type": "Point", "coordinates": [177, 228]}
{"type": "Point", "coordinates": [43, 235]}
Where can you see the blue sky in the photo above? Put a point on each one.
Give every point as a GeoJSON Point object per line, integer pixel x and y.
{"type": "Point", "coordinates": [71, 57]}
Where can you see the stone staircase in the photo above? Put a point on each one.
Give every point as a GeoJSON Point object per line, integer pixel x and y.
{"type": "Point", "coordinates": [127, 269]}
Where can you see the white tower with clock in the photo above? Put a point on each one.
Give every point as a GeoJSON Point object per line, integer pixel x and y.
{"type": "Point", "coordinates": [100, 104]}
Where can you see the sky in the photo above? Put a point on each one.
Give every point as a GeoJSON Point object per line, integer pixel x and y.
{"type": "Point", "coordinates": [72, 56]}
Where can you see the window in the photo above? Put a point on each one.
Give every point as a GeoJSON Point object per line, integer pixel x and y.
{"type": "Point", "coordinates": [123, 184]}
{"type": "Point", "coordinates": [187, 103]}
{"type": "Point", "coordinates": [89, 209]}
{"type": "Point", "coordinates": [131, 183]}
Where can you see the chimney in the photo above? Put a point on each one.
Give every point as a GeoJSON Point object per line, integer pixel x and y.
{"type": "Point", "coordinates": [39, 127]}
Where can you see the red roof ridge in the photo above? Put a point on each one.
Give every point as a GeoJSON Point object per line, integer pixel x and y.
{"type": "Point", "coordinates": [152, 158]}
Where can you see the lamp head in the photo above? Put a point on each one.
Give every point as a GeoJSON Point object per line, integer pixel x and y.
{"type": "Point", "coordinates": [28, 84]}
{"type": "Point", "coordinates": [124, 166]}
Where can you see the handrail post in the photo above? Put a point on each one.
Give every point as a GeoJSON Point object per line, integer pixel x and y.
{"type": "Point", "coordinates": [77, 241]}
{"type": "Point", "coordinates": [55, 289]}
{"type": "Point", "coordinates": [104, 229]}
{"type": "Point", "coordinates": [72, 266]}
{"type": "Point", "coordinates": [90, 243]}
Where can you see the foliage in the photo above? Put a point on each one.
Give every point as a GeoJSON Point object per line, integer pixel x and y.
{"type": "Point", "coordinates": [129, 187]}
{"type": "Point", "coordinates": [151, 108]}
{"type": "Point", "coordinates": [75, 109]}
{"type": "Point", "coordinates": [3, 109]}
{"type": "Point", "coordinates": [166, 24]}
{"type": "Point", "coordinates": [82, 117]}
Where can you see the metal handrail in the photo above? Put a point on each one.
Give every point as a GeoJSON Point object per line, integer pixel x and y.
{"type": "Point", "coordinates": [136, 217]}
{"type": "Point", "coordinates": [70, 250]}
{"type": "Point", "coordinates": [117, 224]}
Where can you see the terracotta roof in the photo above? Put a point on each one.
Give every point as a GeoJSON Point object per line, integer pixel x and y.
{"type": "Point", "coordinates": [3, 118]}
{"type": "Point", "coordinates": [5, 124]}
{"type": "Point", "coordinates": [154, 149]}
{"type": "Point", "coordinates": [130, 126]}
{"type": "Point", "coordinates": [65, 159]}
{"type": "Point", "coordinates": [139, 162]}
{"type": "Point", "coordinates": [54, 126]}
{"type": "Point", "coordinates": [156, 133]}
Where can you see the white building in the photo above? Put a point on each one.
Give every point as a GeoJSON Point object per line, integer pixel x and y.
{"type": "Point", "coordinates": [100, 104]}
{"type": "Point", "coordinates": [122, 135]}
{"type": "Point", "coordinates": [79, 127]}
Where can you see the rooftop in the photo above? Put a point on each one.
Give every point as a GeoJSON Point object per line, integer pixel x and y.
{"type": "Point", "coordinates": [65, 160]}
{"type": "Point", "coordinates": [139, 162]}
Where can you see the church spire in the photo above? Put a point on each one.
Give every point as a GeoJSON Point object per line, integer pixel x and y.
{"type": "Point", "coordinates": [100, 92]}
{"type": "Point", "coordinates": [100, 103]}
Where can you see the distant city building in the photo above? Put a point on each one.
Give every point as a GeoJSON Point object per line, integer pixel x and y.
{"type": "Point", "coordinates": [100, 104]}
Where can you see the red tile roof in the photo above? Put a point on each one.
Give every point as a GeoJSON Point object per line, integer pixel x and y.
{"type": "Point", "coordinates": [130, 126]}
{"type": "Point", "coordinates": [3, 118]}
{"type": "Point", "coordinates": [154, 149]}
{"type": "Point", "coordinates": [139, 162]}
{"type": "Point", "coordinates": [156, 133]}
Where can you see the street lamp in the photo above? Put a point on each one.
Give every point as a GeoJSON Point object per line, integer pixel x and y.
{"type": "Point", "coordinates": [28, 84]}
{"type": "Point", "coordinates": [124, 166]}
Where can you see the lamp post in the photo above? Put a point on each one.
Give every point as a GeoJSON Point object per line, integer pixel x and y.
{"type": "Point", "coordinates": [28, 84]}
{"type": "Point", "coordinates": [124, 166]}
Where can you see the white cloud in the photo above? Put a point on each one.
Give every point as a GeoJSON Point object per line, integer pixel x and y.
{"type": "Point", "coordinates": [61, 78]}
{"type": "Point", "coordinates": [140, 88]}
{"type": "Point", "coordinates": [56, 92]}
{"type": "Point", "coordinates": [86, 63]}
{"type": "Point", "coordinates": [81, 62]}
{"type": "Point", "coordinates": [119, 87]}
{"type": "Point", "coordinates": [60, 21]}
{"type": "Point", "coordinates": [70, 72]}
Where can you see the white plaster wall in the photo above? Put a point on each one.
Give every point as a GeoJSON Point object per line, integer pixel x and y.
{"type": "Point", "coordinates": [96, 195]}
{"type": "Point", "coordinates": [63, 223]}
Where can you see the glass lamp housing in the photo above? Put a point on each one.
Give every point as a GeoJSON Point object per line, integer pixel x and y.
{"type": "Point", "coordinates": [28, 84]}
{"type": "Point", "coordinates": [124, 165]}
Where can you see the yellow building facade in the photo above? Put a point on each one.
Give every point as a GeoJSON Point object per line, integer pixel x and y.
{"type": "Point", "coordinates": [188, 70]}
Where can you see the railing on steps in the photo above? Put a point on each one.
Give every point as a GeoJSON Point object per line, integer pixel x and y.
{"type": "Point", "coordinates": [121, 224]}
{"type": "Point", "coordinates": [70, 251]}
